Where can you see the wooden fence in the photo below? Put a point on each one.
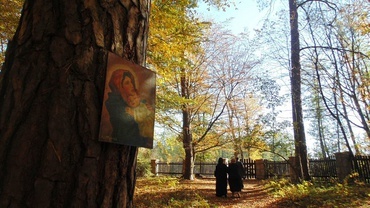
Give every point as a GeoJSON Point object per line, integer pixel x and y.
{"type": "Point", "coordinates": [176, 168]}
{"type": "Point", "coordinates": [320, 169]}
{"type": "Point", "coordinates": [323, 168]}
{"type": "Point", "coordinates": [277, 169]}
{"type": "Point", "coordinates": [249, 168]}
{"type": "Point", "coordinates": [169, 168]}
{"type": "Point", "coordinates": [361, 165]}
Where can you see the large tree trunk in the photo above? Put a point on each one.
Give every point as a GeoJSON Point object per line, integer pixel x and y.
{"type": "Point", "coordinates": [295, 79]}
{"type": "Point", "coordinates": [189, 158]}
{"type": "Point", "coordinates": [51, 100]}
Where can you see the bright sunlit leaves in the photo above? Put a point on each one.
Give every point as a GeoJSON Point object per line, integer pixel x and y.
{"type": "Point", "coordinates": [9, 18]}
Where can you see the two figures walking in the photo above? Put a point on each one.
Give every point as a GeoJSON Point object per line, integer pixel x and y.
{"type": "Point", "coordinates": [231, 174]}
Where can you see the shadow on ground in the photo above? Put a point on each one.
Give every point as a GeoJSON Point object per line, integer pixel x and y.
{"type": "Point", "coordinates": [253, 195]}
{"type": "Point", "coordinates": [149, 194]}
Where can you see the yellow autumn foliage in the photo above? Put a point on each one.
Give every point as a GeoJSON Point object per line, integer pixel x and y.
{"type": "Point", "coordinates": [9, 18]}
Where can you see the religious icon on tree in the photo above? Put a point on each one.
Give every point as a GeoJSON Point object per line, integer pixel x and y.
{"type": "Point", "coordinates": [128, 104]}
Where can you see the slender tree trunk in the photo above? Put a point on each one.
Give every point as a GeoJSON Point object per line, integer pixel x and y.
{"type": "Point", "coordinates": [357, 90]}
{"type": "Point", "coordinates": [186, 132]}
{"type": "Point", "coordinates": [51, 100]}
{"type": "Point", "coordinates": [189, 151]}
{"type": "Point", "coordinates": [235, 139]}
{"type": "Point", "coordinates": [295, 78]}
{"type": "Point", "coordinates": [320, 127]}
{"type": "Point", "coordinates": [335, 113]}
{"type": "Point", "coordinates": [321, 136]}
{"type": "Point", "coordinates": [349, 126]}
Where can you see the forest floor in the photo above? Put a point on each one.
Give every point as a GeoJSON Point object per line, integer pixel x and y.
{"type": "Point", "coordinates": [253, 195]}
{"type": "Point", "coordinates": [167, 192]}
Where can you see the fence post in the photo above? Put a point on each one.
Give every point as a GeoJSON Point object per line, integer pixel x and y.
{"type": "Point", "coordinates": [343, 165]}
{"type": "Point", "coordinates": [260, 169]}
{"type": "Point", "coordinates": [154, 166]}
{"type": "Point", "coordinates": [293, 169]}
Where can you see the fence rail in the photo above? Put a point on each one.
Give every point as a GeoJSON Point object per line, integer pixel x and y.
{"type": "Point", "coordinates": [277, 169]}
{"type": "Point", "coordinates": [249, 168]}
{"type": "Point", "coordinates": [361, 165]}
{"type": "Point", "coordinates": [175, 168]}
{"type": "Point", "coordinates": [169, 168]}
{"type": "Point", "coordinates": [324, 168]}
{"type": "Point", "coordinates": [334, 167]}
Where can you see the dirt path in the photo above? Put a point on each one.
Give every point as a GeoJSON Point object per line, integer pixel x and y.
{"type": "Point", "coordinates": [156, 193]}
{"type": "Point", "coordinates": [173, 192]}
{"type": "Point", "coordinates": [253, 195]}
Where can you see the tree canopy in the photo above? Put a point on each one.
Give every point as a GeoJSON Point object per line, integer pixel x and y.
{"type": "Point", "coordinates": [9, 18]}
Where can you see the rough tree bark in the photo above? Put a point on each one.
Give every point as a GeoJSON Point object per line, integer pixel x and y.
{"type": "Point", "coordinates": [188, 166]}
{"type": "Point", "coordinates": [51, 99]}
{"type": "Point", "coordinates": [295, 79]}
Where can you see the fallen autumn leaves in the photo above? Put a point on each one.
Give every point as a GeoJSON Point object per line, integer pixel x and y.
{"type": "Point", "coordinates": [170, 192]}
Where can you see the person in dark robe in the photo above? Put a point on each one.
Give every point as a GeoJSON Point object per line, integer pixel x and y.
{"type": "Point", "coordinates": [221, 178]}
{"type": "Point", "coordinates": [235, 179]}
{"type": "Point", "coordinates": [241, 170]}
{"type": "Point", "coordinates": [125, 128]}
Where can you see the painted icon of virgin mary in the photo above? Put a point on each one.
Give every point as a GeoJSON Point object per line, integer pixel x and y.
{"type": "Point", "coordinates": [129, 112]}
